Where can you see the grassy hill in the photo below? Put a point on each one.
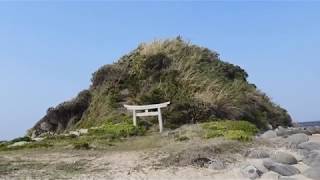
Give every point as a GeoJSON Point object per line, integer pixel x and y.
{"type": "Point", "coordinates": [200, 86]}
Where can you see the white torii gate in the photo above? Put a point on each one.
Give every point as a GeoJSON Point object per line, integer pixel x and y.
{"type": "Point", "coordinates": [145, 112]}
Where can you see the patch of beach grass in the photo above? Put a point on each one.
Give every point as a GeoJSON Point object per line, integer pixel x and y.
{"type": "Point", "coordinates": [233, 130]}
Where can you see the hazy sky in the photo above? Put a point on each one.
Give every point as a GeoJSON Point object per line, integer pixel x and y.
{"type": "Point", "coordinates": [48, 51]}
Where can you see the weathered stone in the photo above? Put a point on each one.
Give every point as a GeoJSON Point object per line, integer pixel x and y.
{"type": "Point", "coordinates": [284, 158]}
{"type": "Point", "coordinates": [124, 92]}
{"type": "Point", "coordinates": [282, 169]}
{"type": "Point", "coordinates": [296, 139]}
{"type": "Point", "coordinates": [216, 164]}
{"type": "Point", "coordinates": [75, 133]}
{"type": "Point", "coordinates": [314, 129]}
{"type": "Point", "coordinates": [313, 173]}
{"type": "Point", "coordinates": [290, 131]}
{"type": "Point", "coordinates": [310, 146]}
{"type": "Point", "coordinates": [312, 158]}
{"type": "Point", "coordinates": [301, 166]}
{"type": "Point", "coordinates": [45, 126]}
{"type": "Point", "coordinates": [38, 139]}
{"type": "Point", "coordinates": [295, 177]}
{"type": "Point", "coordinates": [269, 134]}
{"type": "Point", "coordinates": [257, 154]}
{"type": "Point", "coordinates": [83, 131]}
{"type": "Point", "coordinates": [270, 176]}
{"type": "Point", "coordinates": [21, 143]}
{"type": "Point", "coordinates": [258, 163]}
{"type": "Point", "coordinates": [64, 115]}
{"type": "Point", "coordinates": [251, 172]}
{"type": "Point", "coordinates": [280, 131]}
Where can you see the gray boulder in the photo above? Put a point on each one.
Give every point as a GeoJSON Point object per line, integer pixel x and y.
{"type": "Point", "coordinates": [269, 134]}
{"type": "Point", "coordinates": [312, 173]}
{"type": "Point", "coordinates": [270, 176]}
{"type": "Point", "coordinates": [251, 172]}
{"type": "Point", "coordinates": [257, 154]}
{"type": "Point", "coordinates": [295, 177]}
{"type": "Point", "coordinates": [296, 139]}
{"type": "Point", "coordinates": [280, 131]}
{"type": "Point", "coordinates": [83, 131]}
{"type": "Point", "coordinates": [216, 164]}
{"type": "Point", "coordinates": [290, 131]}
{"type": "Point", "coordinates": [75, 133]}
{"type": "Point", "coordinates": [309, 146]}
{"type": "Point", "coordinates": [284, 158]}
{"type": "Point", "coordinates": [282, 169]}
{"type": "Point", "coordinates": [269, 126]}
{"type": "Point", "coordinates": [258, 163]}
{"type": "Point", "coordinates": [314, 129]}
{"type": "Point", "coordinates": [312, 158]}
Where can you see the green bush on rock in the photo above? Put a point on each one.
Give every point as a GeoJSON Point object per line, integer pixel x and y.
{"type": "Point", "coordinates": [199, 85]}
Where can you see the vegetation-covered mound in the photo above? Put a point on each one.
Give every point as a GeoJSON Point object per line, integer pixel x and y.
{"type": "Point", "coordinates": [199, 85]}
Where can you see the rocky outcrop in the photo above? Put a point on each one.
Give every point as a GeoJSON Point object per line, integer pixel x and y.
{"type": "Point", "coordinates": [312, 158]}
{"type": "Point", "coordinates": [284, 158]}
{"type": "Point", "coordinates": [282, 169]}
{"type": "Point", "coordinates": [309, 146]}
{"type": "Point", "coordinates": [63, 116]}
{"type": "Point", "coordinates": [251, 172]}
{"type": "Point", "coordinates": [257, 154]}
{"type": "Point", "coordinates": [269, 134]}
{"type": "Point", "coordinates": [313, 173]}
{"type": "Point", "coordinates": [296, 139]}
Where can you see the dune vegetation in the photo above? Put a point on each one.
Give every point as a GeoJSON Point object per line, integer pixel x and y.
{"type": "Point", "coordinates": [200, 86]}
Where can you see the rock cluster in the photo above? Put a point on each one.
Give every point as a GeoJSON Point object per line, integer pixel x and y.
{"type": "Point", "coordinates": [298, 159]}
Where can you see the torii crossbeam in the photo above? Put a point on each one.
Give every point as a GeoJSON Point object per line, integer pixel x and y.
{"type": "Point", "coordinates": [143, 110]}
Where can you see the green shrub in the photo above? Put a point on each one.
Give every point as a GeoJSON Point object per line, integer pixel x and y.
{"type": "Point", "coordinates": [25, 138]}
{"type": "Point", "coordinates": [235, 130]}
{"type": "Point", "coordinates": [238, 135]}
{"type": "Point", "coordinates": [119, 130]}
{"type": "Point", "coordinates": [182, 138]}
{"type": "Point", "coordinates": [31, 145]}
{"type": "Point", "coordinates": [81, 145]}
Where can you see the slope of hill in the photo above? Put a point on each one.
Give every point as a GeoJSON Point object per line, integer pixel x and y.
{"type": "Point", "coordinates": [200, 86]}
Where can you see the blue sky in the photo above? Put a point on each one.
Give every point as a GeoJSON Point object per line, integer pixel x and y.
{"type": "Point", "coordinates": [48, 51]}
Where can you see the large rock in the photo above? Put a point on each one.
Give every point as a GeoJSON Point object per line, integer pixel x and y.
{"type": "Point", "coordinates": [282, 169]}
{"type": "Point", "coordinates": [312, 158]}
{"type": "Point", "coordinates": [269, 134]}
{"type": "Point", "coordinates": [251, 172]}
{"type": "Point", "coordinates": [295, 177]}
{"type": "Point", "coordinates": [258, 163]}
{"type": "Point", "coordinates": [314, 129]}
{"type": "Point", "coordinates": [75, 133]}
{"type": "Point", "coordinates": [216, 164]}
{"type": "Point", "coordinates": [38, 139]}
{"type": "Point", "coordinates": [284, 158]}
{"type": "Point", "coordinates": [313, 173]}
{"type": "Point", "coordinates": [270, 176]}
{"type": "Point", "coordinates": [83, 131]}
{"type": "Point", "coordinates": [257, 154]}
{"type": "Point", "coordinates": [290, 131]}
{"type": "Point", "coordinates": [280, 131]}
{"type": "Point", "coordinates": [309, 146]}
{"type": "Point", "coordinates": [296, 139]}
{"type": "Point", "coordinates": [64, 116]}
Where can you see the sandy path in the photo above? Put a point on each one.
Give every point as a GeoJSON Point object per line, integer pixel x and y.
{"type": "Point", "coordinates": [315, 138]}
